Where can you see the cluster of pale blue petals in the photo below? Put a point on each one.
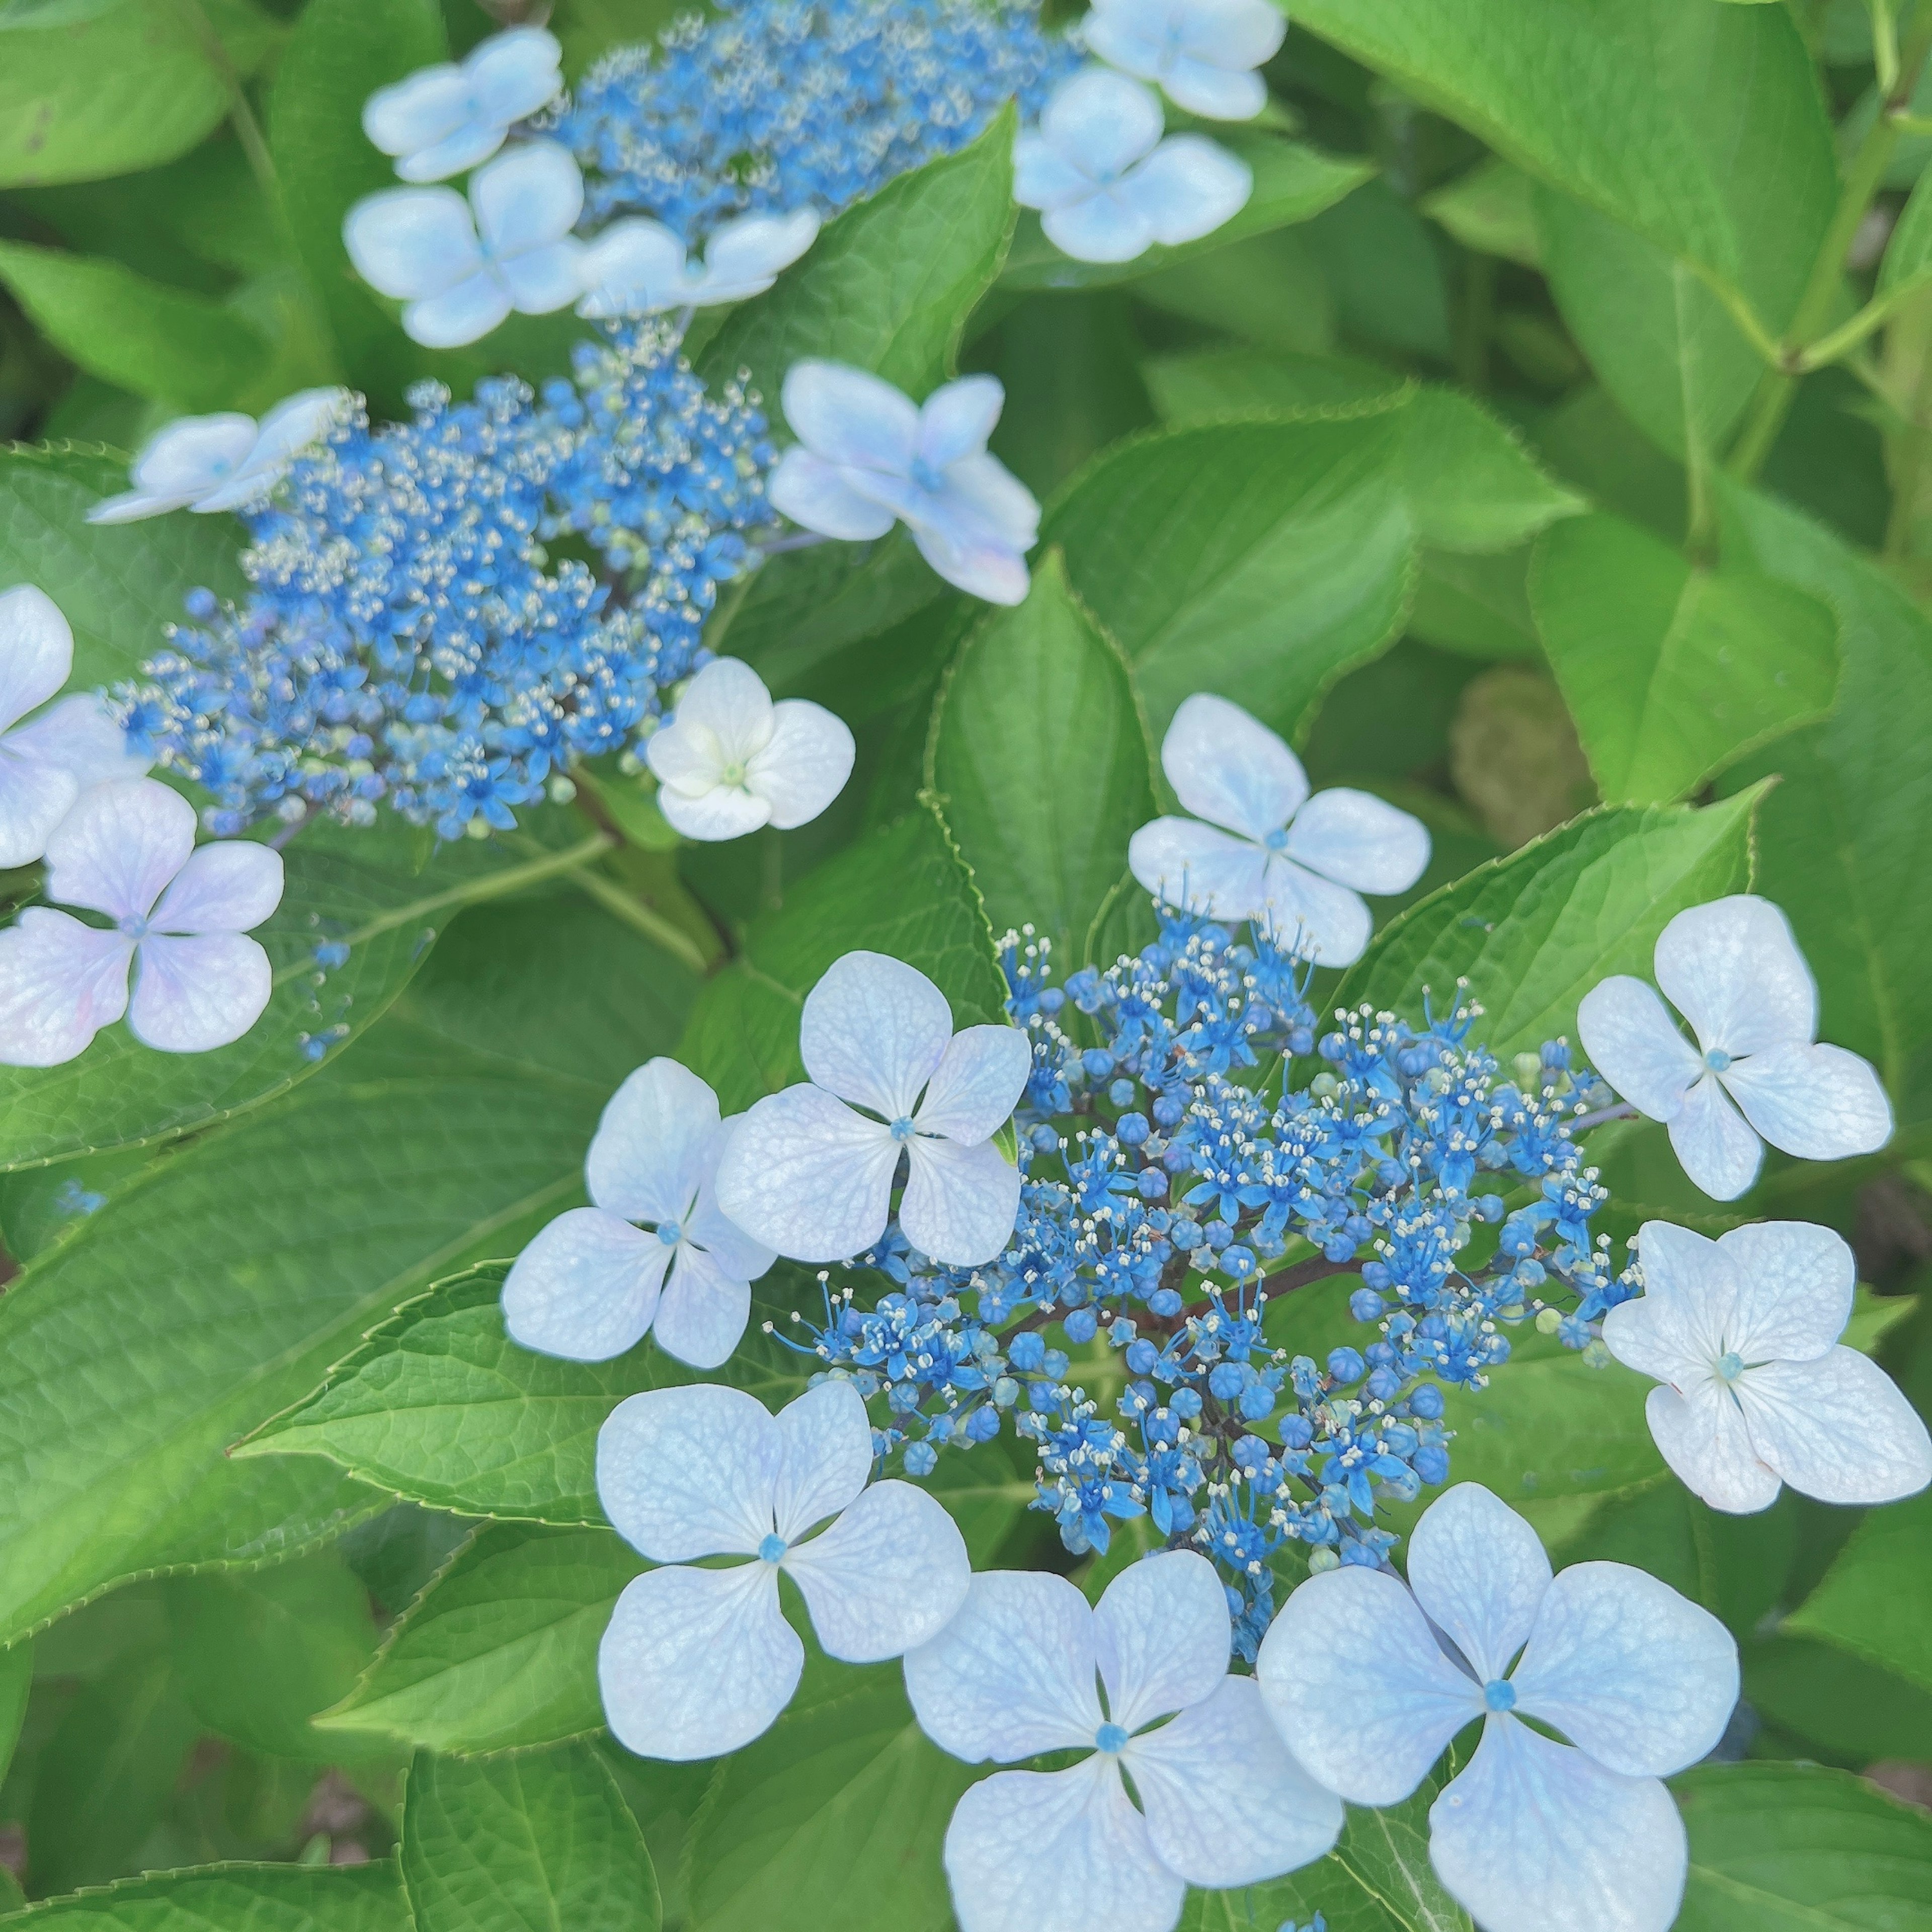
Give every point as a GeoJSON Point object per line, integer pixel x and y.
{"type": "Point", "coordinates": [409, 639]}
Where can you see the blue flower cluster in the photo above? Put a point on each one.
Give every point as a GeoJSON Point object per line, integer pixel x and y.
{"type": "Point", "coordinates": [410, 638]}
{"type": "Point", "coordinates": [767, 106]}
{"type": "Point", "coordinates": [1179, 1187]}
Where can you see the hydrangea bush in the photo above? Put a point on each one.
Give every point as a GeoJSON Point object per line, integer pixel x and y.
{"type": "Point", "coordinates": [961, 966]}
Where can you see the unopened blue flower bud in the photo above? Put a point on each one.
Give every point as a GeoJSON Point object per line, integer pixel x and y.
{"type": "Point", "coordinates": [1027, 1351]}
{"type": "Point", "coordinates": [921, 1458]}
{"type": "Point", "coordinates": [1081, 1326]}
{"type": "Point", "coordinates": [1345, 1365]}
{"type": "Point", "coordinates": [1432, 1463]}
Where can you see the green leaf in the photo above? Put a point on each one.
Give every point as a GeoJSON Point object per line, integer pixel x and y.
{"type": "Point", "coordinates": [1386, 1852]}
{"type": "Point", "coordinates": [383, 893]}
{"type": "Point", "coordinates": [1671, 670]}
{"type": "Point", "coordinates": [1040, 758]}
{"type": "Point", "coordinates": [527, 1843]}
{"type": "Point", "coordinates": [215, 1288]}
{"type": "Point", "coordinates": [1908, 255]}
{"type": "Point", "coordinates": [1204, 385]}
{"type": "Point", "coordinates": [1261, 558]}
{"type": "Point", "coordinates": [117, 585]}
{"type": "Point", "coordinates": [439, 1405]}
{"type": "Point", "coordinates": [1471, 484]}
{"type": "Point", "coordinates": [742, 1036]}
{"type": "Point", "coordinates": [260, 1652]}
{"type": "Point", "coordinates": [1490, 209]}
{"type": "Point", "coordinates": [126, 87]}
{"type": "Point", "coordinates": [237, 1898]}
{"type": "Point", "coordinates": [1843, 837]}
{"type": "Point", "coordinates": [1795, 1848]}
{"type": "Point", "coordinates": [16, 1684]}
{"type": "Point", "coordinates": [164, 343]}
{"type": "Point", "coordinates": [1534, 932]}
{"type": "Point", "coordinates": [500, 1650]}
{"type": "Point", "coordinates": [1872, 1602]}
{"type": "Point", "coordinates": [888, 287]}
{"type": "Point", "coordinates": [1292, 183]}
{"type": "Point", "coordinates": [1840, 1706]}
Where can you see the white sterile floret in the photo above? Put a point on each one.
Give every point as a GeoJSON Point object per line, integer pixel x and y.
{"type": "Point", "coordinates": [1733, 970]}
{"type": "Point", "coordinates": [1107, 186]}
{"type": "Point", "coordinates": [730, 760]}
{"type": "Point", "coordinates": [638, 267]}
{"type": "Point", "coordinates": [1018, 1672]}
{"type": "Point", "coordinates": [443, 119]}
{"type": "Point", "coordinates": [811, 1174]}
{"type": "Point", "coordinates": [1533, 1835]}
{"type": "Point", "coordinates": [867, 455]}
{"type": "Point", "coordinates": [461, 266]}
{"type": "Point", "coordinates": [1298, 864]}
{"type": "Point", "coordinates": [181, 917]}
{"type": "Point", "coordinates": [226, 462]}
{"type": "Point", "coordinates": [1202, 53]}
{"type": "Point", "coordinates": [656, 1247]}
{"type": "Point", "coordinates": [1742, 1335]}
{"type": "Point", "coordinates": [47, 764]}
{"type": "Point", "coordinates": [697, 1662]}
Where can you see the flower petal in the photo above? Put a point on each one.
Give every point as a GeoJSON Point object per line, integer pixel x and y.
{"type": "Point", "coordinates": [818, 495]}
{"type": "Point", "coordinates": [1628, 1670]}
{"type": "Point", "coordinates": [1226, 1804]}
{"type": "Point", "coordinates": [1102, 121]}
{"type": "Point", "coordinates": [728, 702]}
{"type": "Point", "coordinates": [744, 257]}
{"type": "Point", "coordinates": [805, 1176]}
{"type": "Point", "coordinates": [35, 795]}
{"type": "Point", "coordinates": [230, 885]}
{"type": "Point", "coordinates": [1228, 767]}
{"type": "Point", "coordinates": [514, 73]}
{"type": "Point", "coordinates": [714, 1231]}
{"type": "Point", "coordinates": [61, 983]}
{"type": "Point", "coordinates": [1700, 1431]}
{"type": "Point", "coordinates": [82, 736]}
{"type": "Point", "coordinates": [1313, 917]}
{"type": "Point", "coordinates": [1795, 1283]}
{"type": "Point", "coordinates": [528, 198]}
{"type": "Point", "coordinates": [409, 243]}
{"type": "Point", "coordinates": [687, 1472]}
{"type": "Point", "coordinates": [585, 1288]}
{"type": "Point", "coordinates": [1012, 1675]}
{"type": "Point", "coordinates": [458, 150]}
{"type": "Point", "coordinates": [1535, 1837]}
{"type": "Point", "coordinates": [1818, 1102]}
{"type": "Point", "coordinates": [1189, 864]}
{"type": "Point", "coordinates": [873, 1031]}
{"type": "Point", "coordinates": [194, 994]}
{"type": "Point", "coordinates": [1717, 1150]}
{"type": "Point", "coordinates": [825, 1455]}
{"type": "Point", "coordinates": [1044, 177]}
{"type": "Point", "coordinates": [849, 417]}
{"type": "Point", "coordinates": [1214, 93]}
{"type": "Point", "coordinates": [725, 812]}
{"type": "Point", "coordinates": [972, 560]}
{"type": "Point", "coordinates": [1101, 226]}
{"type": "Point", "coordinates": [1479, 1571]}
{"type": "Point", "coordinates": [1161, 1636]}
{"type": "Point", "coordinates": [1058, 1851]}
{"type": "Point", "coordinates": [1233, 34]}
{"type": "Point", "coordinates": [119, 847]}
{"type": "Point", "coordinates": [960, 1203]}
{"type": "Point", "coordinates": [36, 653]}
{"type": "Point", "coordinates": [977, 1084]}
{"type": "Point", "coordinates": [418, 112]}
{"type": "Point", "coordinates": [702, 1314]}
{"type": "Point", "coordinates": [540, 280]}
{"type": "Point", "coordinates": [805, 765]}
{"type": "Point", "coordinates": [697, 1663]}
{"type": "Point", "coordinates": [1733, 970]}
{"type": "Point", "coordinates": [1838, 1429]}
{"type": "Point", "coordinates": [956, 419]}
{"type": "Point", "coordinates": [295, 423]}
{"type": "Point", "coordinates": [983, 487]}
{"type": "Point", "coordinates": [464, 314]}
{"type": "Point", "coordinates": [1359, 840]}
{"type": "Point", "coordinates": [1627, 1032]}
{"type": "Point", "coordinates": [890, 1574]}
{"type": "Point", "coordinates": [653, 1144]}
{"type": "Point", "coordinates": [1684, 1320]}
{"type": "Point", "coordinates": [1356, 1682]}
{"type": "Point", "coordinates": [635, 267]}
{"type": "Point", "coordinates": [1187, 187]}
{"type": "Point", "coordinates": [192, 454]}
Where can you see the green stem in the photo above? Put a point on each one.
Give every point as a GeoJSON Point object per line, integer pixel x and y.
{"type": "Point", "coordinates": [1885, 44]}
{"type": "Point", "coordinates": [613, 898]}
{"type": "Point", "coordinates": [241, 110]}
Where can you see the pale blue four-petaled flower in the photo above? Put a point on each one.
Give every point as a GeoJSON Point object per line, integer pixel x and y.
{"type": "Point", "coordinates": [1533, 1834]}
{"type": "Point", "coordinates": [442, 119]}
{"type": "Point", "coordinates": [867, 456]}
{"type": "Point", "coordinates": [1018, 1672]}
{"type": "Point", "coordinates": [654, 1252]}
{"type": "Point", "coordinates": [1201, 53]}
{"type": "Point", "coordinates": [1107, 186]}
{"type": "Point", "coordinates": [460, 267]}
{"type": "Point", "coordinates": [638, 267]}
{"type": "Point", "coordinates": [696, 1663]}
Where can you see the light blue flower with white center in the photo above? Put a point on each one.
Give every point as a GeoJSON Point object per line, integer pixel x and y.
{"type": "Point", "coordinates": [1297, 864]}
{"type": "Point", "coordinates": [224, 462]}
{"type": "Point", "coordinates": [1534, 1835]}
{"type": "Point", "coordinates": [809, 1173]}
{"type": "Point", "coordinates": [1201, 53]}
{"type": "Point", "coordinates": [442, 119]}
{"type": "Point", "coordinates": [1732, 968]}
{"type": "Point", "coordinates": [1107, 186]}
{"type": "Point", "coordinates": [697, 1662]}
{"type": "Point", "coordinates": [638, 267]}
{"type": "Point", "coordinates": [1741, 1334]}
{"type": "Point", "coordinates": [867, 456]}
{"type": "Point", "coordinates": [1020, 1671]}
{"type": "Point", "coordinates": [656, 1252]}
{"type": "Point", "coordinates": [459, 267]}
